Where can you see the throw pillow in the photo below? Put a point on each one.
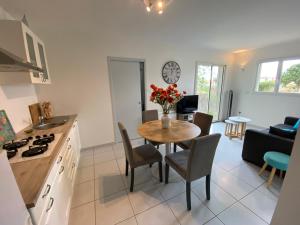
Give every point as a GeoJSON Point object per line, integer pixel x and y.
{"type": "Point", "coordinates": [296, 126]}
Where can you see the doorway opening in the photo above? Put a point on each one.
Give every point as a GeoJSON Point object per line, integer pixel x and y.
{"type": "Point", "coordinates": [127, 84]}
{"type": "Point", "coordinates": [208, 85]}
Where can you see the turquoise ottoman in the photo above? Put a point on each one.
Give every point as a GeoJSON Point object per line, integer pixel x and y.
{"type": "Point", "coordinates": [278, 161]}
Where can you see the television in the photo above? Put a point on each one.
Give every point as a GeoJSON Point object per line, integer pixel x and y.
{"type": "Point", "coordinates": [188, 104]}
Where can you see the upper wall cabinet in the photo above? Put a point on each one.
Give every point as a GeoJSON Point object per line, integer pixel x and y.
{"type": "Point", "coordinates": [18, 39]}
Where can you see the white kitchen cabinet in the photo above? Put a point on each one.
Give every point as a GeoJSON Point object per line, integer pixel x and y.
{"type": "Point", "coordinates": [55, 207]}
{"type": "Point", "coordinates": [18, 39]}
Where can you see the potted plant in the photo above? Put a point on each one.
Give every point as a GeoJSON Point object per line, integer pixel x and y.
{"type": "Point", "coordinates": [167, 98]}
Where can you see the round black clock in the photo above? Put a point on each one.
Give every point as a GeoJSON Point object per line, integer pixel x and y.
{"type": "Point", "coordinates": [171, 72]}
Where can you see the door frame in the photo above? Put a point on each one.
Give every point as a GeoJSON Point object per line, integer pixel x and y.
{"type": "Point", "coordinates": [122, 59]}
{"type": "Point", "coordinates": [222, 85]}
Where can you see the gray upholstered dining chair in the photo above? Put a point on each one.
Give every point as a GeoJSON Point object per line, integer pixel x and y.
{"type": "Point", "coordinates": [203, 121]}
{"type": "Point", "coordinates": [194, 163]}
{"type": "Point", "coordinates": [147, 116]}
{"type": "Point", "coordinates": [139, 156]}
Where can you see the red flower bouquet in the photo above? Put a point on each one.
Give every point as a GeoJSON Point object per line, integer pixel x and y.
{"type": "Point", "coordinates": [167, 98]}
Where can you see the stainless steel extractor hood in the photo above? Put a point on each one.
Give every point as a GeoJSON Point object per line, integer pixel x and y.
{"type": "Point", "coordinates": [12, 63]}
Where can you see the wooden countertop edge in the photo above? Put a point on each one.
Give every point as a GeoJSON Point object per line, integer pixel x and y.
{"type": "Point", "coordinates": [30, 199]}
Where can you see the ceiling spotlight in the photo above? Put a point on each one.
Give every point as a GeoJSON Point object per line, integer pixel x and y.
{"type": "Point", "coordinates": [157, 6]}
{"type": "Point", "coordinates": [160, 4]}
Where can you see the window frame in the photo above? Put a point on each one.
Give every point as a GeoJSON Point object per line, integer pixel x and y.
{"type": "Point", "coordinates": [278, 76]}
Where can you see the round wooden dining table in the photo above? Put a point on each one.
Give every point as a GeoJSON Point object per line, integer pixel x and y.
{"type": "Point", "coordinates": [178, 131]}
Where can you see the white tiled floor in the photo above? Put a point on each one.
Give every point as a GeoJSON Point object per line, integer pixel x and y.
{"type": "Point", "coordinates": [238, 194]}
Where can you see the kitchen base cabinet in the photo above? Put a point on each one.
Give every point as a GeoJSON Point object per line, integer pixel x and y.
{"type": "Point", "coordinates": [54, 204]}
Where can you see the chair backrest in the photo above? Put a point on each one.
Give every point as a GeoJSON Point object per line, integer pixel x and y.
{"type": "Point", "coordinates": [201, 156]}
{"type": "Point", "coordinates": [149, 115]}
{"type": "Point", "coordinates": [126, 143]}
{"type": "Point", "coordinates": [203, 121]}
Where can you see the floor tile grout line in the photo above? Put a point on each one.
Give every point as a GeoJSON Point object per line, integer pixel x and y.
{"type": "Point", "coordinates": [215, 217]}
{"type": "Point", "coordinates": [126, 191]}
{"type": "Point", "coordinates": [230, 172]}
{"type": "Point", "coordinates": [239, 201]}
{"type": "Point", "coordinates": [254, 213]}
{"type": "Point", "coordinates": [173, 211]}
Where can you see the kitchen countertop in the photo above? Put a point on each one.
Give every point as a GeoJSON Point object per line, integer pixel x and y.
{"type": "Point", "coordinates": [31, 175]}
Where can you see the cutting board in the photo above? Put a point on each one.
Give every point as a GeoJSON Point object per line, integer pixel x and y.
{"type": "Point", "coordinates": [35, 113]}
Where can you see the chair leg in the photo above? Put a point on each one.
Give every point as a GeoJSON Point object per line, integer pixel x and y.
{"type": "Point", "coordinates": [126, 169]}
{"type": "Point", "coordinates": [271, 177]}
{"type": "Point", "coordinates": [188, 195]}
{"type": "Point", "coordinates": [150, 165]}
{"type": "Point", "coordinates": [145, 141]}
{"type": "Point", "coordinates": [157, 146]}
{"type": "Point", "coordinates": [160, 171]}
{"type": "Point", "coordinates": [207, 182]}
{"type": "Point", "coordinates": [263, 169]}
{"type": "Point", "coordinates": [132, 180]}
{"type": "Point", "coordinates": [175, 146]}
{"type": "Point", "coordinates": [167, 174]}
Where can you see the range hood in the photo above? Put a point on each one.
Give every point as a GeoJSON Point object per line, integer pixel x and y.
{"type": "Point", "coordinates": [12, 63]}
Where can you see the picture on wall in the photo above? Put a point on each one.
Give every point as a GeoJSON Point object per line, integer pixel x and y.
{"type": "Point", "coordinates": [6, 130]}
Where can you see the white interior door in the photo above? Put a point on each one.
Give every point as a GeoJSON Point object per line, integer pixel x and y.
{"type": "Point", "coordinates": [126, 94]}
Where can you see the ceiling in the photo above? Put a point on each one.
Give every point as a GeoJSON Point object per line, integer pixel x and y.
{"type": "Point", "coordinates": [228, 25]}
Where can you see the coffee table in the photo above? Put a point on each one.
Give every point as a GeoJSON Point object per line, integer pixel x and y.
{"type": "Point", "coordinates": [242, 123]}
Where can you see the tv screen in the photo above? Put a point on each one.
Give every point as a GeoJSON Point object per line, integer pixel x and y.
{"type": "Point", "coordinates": [188, 104]}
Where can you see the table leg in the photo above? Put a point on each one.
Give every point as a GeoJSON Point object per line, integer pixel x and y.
{"type": "Point", "coordinates": [168, 148]}
{"type": "Point", "coordinates": [243, 130]}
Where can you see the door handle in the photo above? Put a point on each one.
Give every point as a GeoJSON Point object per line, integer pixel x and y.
{"type": "Point", "coordinates": [47, 190]}
{"type": "Point", "coordinates": [51, 204]}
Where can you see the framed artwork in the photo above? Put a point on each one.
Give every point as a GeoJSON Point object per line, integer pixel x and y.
{"type": "Point", "coordinates": [7, 132]}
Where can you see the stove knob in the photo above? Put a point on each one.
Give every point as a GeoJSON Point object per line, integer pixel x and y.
{"type": "Point", "coordinates": [51, 135]}
{"type": "Point", "coordinates": [29, 138]}
{"type": "Point", "coordinates": [37, 137]}
{"type": "Point", "coordinates": [45, 135]}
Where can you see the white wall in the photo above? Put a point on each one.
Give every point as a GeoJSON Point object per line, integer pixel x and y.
{"type": "Point", "coordinates": [263, 109]}
{"type": "Point", "coordinates": [77, 49]}
{"type": "Point", "coordinates": [287, 209]}
{"type": "Point", "coordinates": [81, 83]}
{"type": "Point", "coordinates": [14, 99]}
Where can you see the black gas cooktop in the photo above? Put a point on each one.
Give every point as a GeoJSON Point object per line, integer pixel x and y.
{"type": "Point", "coordinates": [36, 145]}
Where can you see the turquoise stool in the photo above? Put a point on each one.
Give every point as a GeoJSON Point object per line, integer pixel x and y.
{"type": "Point", "coordinates": [278, 161]}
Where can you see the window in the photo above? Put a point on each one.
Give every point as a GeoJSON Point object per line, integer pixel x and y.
{"type": "Point", "coordinates": [267, 76]}
{"type": "Point", "coordinates": [290, 76]}
{"type": "Point", "coordinates": [280, 76]}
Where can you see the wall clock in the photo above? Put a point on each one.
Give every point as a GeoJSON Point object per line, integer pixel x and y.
{"type": "Point", "coordinates": [171, 72]}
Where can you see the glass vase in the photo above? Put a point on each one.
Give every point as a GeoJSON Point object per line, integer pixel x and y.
{"type": "Point", "coordinates": [165, 121]}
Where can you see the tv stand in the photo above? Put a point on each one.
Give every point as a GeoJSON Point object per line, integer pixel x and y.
{"type": "Point", "coordinates": [185, 116]}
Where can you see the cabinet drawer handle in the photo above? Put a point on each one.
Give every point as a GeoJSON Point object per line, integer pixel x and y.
{"type": "Point", "coordinates": [61, 169]}
{"type": "Point", "coordinates": [69, 147]}
{"type": "Point", "coordinates": [59, 160]}
{"type": "Point", "coordinates": [50, 205]}
{"type": "Point", "coordinates": [48, 188]}
{"type": "Point", "coordinates": [73, 165]}
{"type": "Point", "coordinates": [68, 139]}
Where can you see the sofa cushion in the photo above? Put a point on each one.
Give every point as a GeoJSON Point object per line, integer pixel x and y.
{"type": "Point", "coordinates": [283, 130]}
